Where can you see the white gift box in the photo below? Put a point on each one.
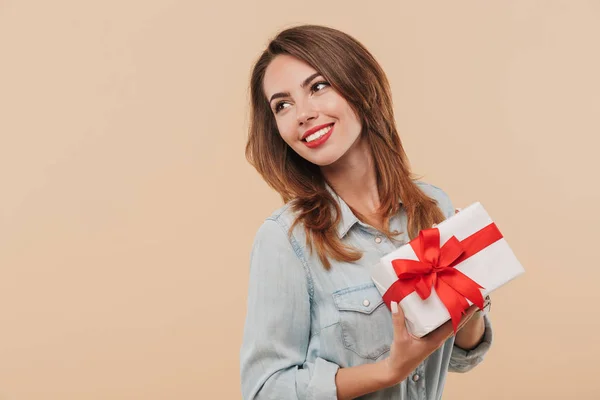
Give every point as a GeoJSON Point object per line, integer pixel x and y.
{"type": "Point", "coordinates": [491, 267]}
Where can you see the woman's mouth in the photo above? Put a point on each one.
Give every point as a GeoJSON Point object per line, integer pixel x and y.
{"type": "Point", "coordinates": [319, 137]}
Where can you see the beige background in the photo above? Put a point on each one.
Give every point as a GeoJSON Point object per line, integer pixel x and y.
{"type": "Point", "coordinates": [127, 209]}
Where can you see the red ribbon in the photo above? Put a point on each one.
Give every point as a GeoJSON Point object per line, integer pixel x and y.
{"type": "Point", "coordinates": [435, 268]}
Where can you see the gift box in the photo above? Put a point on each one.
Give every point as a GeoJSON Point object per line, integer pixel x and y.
{"type": "Point", "coordinates": [440, 273]}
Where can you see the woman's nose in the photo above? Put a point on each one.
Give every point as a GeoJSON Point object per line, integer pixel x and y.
{"type": "Point", "coordinates": [305, 112]}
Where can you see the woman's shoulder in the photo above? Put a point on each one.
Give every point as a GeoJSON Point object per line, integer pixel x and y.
{"type": "Point", "coordinates": [279, 222]}
{"type": "Point", "coordinates": [430, 189]}
{"type": "Point", "coordinates": [282, 213]}
{"type": "Point", "coordinates": [439, 195]}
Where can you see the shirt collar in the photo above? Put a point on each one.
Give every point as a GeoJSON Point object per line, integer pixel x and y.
{"type": "Point", "coordinates": [348, 219]}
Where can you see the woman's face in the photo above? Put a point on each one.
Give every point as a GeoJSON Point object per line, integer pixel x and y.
{"type": "Point", "coordinates": [302, 101]}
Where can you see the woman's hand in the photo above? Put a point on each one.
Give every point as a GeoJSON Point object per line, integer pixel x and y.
{"type": "Point", "coordinates": [408, 351]}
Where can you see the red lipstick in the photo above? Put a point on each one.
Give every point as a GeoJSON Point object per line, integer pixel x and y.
{"type": "Point", "coordinates": [322, 139]}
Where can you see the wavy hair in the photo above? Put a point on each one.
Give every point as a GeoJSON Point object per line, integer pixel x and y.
{"type": "Point", "coordinates": [353, 72]}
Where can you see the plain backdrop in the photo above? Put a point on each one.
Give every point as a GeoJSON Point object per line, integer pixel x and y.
{"type": "Point", "coordinates": [128, 210]}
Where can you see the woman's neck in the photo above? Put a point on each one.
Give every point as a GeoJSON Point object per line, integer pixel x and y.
{"type": "Point", "coordinates": [354, 179]}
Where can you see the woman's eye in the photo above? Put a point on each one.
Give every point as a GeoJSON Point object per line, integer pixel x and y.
{"type": "Point", "coordinates": [317, 84]}
{"type": "Point", "coordinates": [313, 89]}
{"type": "Point", "coordinates": [278, 106]}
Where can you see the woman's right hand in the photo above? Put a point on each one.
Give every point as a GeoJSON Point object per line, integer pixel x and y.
{"type": "Point", "coordinates": [408, 351]}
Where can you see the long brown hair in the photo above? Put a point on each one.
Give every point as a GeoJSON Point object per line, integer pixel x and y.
{"type": "Point", "coordinates": [354, 73]}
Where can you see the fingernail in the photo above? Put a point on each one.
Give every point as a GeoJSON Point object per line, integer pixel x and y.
{"type": "Point", "coordinates": [394, 307]}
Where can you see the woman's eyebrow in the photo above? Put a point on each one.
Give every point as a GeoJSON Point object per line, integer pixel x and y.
{"type": "Point", "coordinates": [303, 85]}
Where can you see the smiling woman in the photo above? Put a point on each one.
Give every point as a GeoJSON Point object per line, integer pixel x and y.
{"type": "Point", "coordinates": [322, 134]}
{"type": "Point", "coordinates": [305, 102]}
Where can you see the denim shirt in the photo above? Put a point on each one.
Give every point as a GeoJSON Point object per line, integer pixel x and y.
{"type": "Point", "coordinates": [304, 322]}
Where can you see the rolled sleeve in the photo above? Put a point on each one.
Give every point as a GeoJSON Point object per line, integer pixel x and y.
{"type": "Point", "coordinates": [276, 335]}
{"type": "Point", "coordinates": [463, 360]}
{"type": "Point", "coordinates": [321, 384]}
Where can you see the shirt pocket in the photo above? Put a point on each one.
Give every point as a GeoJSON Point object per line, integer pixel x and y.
{"type": "Point", "coordinates": [366, 323]}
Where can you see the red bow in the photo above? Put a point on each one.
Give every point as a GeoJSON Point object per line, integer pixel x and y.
{"type": "Point", "coordinates": [435, 268]}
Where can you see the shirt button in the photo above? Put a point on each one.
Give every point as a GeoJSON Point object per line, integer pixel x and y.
{"type": "Point", "coordinates": [366, 303]}
{"type": "Point", "coordinates": [377, 239]}
{"type": "Point", "coordinates": [415, 377]}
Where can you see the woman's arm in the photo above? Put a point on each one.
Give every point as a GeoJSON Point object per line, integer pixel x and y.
{"type": "Point", "coordinates": [471, 334]}
{"type": "Point", "coordinates": [465, 359]}
{"type": "Point", "coordinates": [357, 381]}
{"type": "Point", "coordinates": [277, 328]}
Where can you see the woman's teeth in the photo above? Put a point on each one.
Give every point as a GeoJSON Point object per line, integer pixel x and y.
{"type": "Point", "coordinates": [318, 134]}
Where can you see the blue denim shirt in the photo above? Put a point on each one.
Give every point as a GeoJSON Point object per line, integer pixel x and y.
{"type": "Point", "coordinates": [304, 322]}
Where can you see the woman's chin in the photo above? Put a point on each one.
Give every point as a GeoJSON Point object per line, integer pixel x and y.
{"type": "Point", "coordinates": [325, 161]}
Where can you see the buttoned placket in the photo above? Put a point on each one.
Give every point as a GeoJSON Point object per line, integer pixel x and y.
{"type": "Point", "coordinates": [416, 383]}
{"type": "Point", "coordinates": [379, 241]}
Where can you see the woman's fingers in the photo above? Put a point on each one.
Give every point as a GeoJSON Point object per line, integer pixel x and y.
{"type": "Point", "coordinates": [398, 319]}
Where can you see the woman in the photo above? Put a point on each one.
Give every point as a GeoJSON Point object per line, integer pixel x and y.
{"type": "Point", "coordinates": [322, 134]}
